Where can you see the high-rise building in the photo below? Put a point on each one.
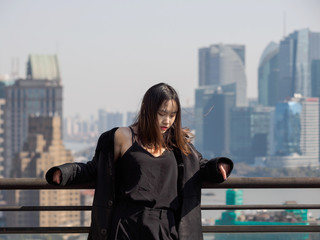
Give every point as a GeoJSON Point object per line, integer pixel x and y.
{"type": "Point", "coordinates": [212, 118]}
{"type": "Point", "coordinates": [268, 75]}
{"type": "Point", "coordinates": [224, 65]}
{"type": "Point", "coordinates": [78, 129]}
{"type": "Point", "coordinates": [297, 127]}
{"type": "Point", "coordinates": [102, 121]}
{"type": "Point", "coordinates": [261, 130]}
{"type": "Point", "coordinates": [296, 133]}
{"type": "Point", "coordinates": [109, 120]}
{"type": "Point", "coordinates": [315, 78]}
{"type": "Point", "coordinates": [42, 149]}
{"type": "Point", "coordinates": [114, 119]}
{"type": "Point", "coordinates": [250, 132]}
{"type": "Point", "coordinates": [131, 117]}
{"type": "Point", "coordinates": [25, 98]}
{"type": "Point", "coordinates": [40, 94]}
{"type": "Point", "coordinates": [290, 67]}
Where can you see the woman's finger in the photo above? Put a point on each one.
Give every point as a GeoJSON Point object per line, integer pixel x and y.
{"type": "Point", "coordinates": [223, 171]}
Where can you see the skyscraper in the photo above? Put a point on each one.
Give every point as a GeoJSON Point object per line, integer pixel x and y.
{"type": "Point", "coordinates": [114, 119]}
{"type": "Point", "coordinates": [224, 65]}
{"type": "Point", "coordinates": [268, 76]}
{"type": "Point", "coordinates": [42, 97]}
{"type": "Point", "coordinates": [315, 78]}
{"type": "Point", "coordinates": [250, 132]}
{"type": "Point", "coordinates": [289, 67]}
{"type": "Point", "coordinates": [212, 118]}
{"type": "Point", "coordinates": [108, 120]}
{"type": "Point", "coordinates": [296, 133]}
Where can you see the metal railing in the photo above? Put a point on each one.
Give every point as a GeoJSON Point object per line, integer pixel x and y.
{"type": "Point", "coordinates": [239, 183]}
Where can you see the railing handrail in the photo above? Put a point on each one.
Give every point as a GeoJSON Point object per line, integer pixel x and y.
{"type": "Point", "coordinates": [206, 229]}
{"type": "Point", "coordinates": [233, 182]}
{"type": "Point", "coordinates": [203, 207]}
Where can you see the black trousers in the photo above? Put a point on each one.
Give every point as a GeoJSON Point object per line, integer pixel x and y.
{"type": "Point", "coordinates": [133, 222]}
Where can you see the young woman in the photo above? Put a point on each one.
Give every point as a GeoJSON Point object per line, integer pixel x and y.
{"type": "Point", "coordinates": [147, 176]}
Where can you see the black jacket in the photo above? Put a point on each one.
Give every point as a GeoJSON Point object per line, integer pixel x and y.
{"type": "Point", "coordinates": [192, 170]}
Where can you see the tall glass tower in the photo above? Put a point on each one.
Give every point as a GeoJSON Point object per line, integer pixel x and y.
{"type": "Point", "coordinates": [224, 65]}
{"type": "Point", "coordinates": [289, 67]}
{"type": "Point", "coordinates": [268, 75]}
{"type": "Point", "coordinates": [287, 128]}
{"type": "Point", "coordinates": [296, 133]}
{"type": "Point", "coordinates": [212, 118]}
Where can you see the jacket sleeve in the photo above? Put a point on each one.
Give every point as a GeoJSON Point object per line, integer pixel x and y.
{"type": "Point", "coordinates": [77, 173]}
{"type": "Point", "coordinates": [209, 170]}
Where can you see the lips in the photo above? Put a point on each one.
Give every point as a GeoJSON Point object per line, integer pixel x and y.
{"type": "Point", "coordinates": [163, 128]}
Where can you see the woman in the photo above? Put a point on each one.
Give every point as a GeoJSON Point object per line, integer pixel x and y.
{"type": "Point", "coordinates": [147, 176]}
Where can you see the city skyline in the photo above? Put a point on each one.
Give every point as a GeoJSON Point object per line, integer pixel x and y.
{"type": "Point", "coordinates": [136, 45]}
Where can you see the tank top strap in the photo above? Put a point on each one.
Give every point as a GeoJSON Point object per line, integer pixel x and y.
{"type": "Point", "coordinates": [132, 135]}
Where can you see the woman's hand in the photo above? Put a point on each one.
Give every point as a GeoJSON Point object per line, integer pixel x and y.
{"type": "Point", "coordinates": [56, 178]}
{"type": "Point", "coordinates": [224, 169]}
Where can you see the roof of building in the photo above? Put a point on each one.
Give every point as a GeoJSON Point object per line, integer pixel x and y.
{"type": "Point", "coordinates": [43, 67]}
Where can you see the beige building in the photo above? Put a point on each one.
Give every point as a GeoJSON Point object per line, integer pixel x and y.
{"type": "Point", "coordinates": [42, 150]}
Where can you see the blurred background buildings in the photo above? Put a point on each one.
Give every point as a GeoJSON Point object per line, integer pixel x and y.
{"type": "Point", "coordinates": [279, 130]}
{"type": "Point", "coordinates": [282, 130]}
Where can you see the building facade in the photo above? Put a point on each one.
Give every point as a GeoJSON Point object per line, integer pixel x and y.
{"type": "Point", "coordinates": [42, 149]}
{"type": "Point", "coordinates": [296, 134]}
{"type": "Point", "coordinates": [268, 76]}
{"type": "Point", "coordinates": [108, 120]}
{"type": "Point", "coordinates": [315, 78]}
{"type": "Point", "coordinates": [290, 67]}
{"type": "Point", "coordinates": [212, 118]}
{"type": "Point", "coordinates": [250, 132]}
{"type": "Point", "coordinates": [25, 98]}
{"type": "Point", "coordinates": [224, 65]}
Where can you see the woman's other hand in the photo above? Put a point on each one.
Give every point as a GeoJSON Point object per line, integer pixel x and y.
{"type": "Point", "coordinates": [224, 168]}
{"type": "Point", "coordinates": [56, 178]}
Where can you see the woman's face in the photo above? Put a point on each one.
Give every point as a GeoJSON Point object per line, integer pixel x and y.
{"type": "Point", "coordinates": [167, 115]}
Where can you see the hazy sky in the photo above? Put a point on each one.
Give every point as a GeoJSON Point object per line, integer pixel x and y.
{"type": "Point", "coordinates": [111, 52]}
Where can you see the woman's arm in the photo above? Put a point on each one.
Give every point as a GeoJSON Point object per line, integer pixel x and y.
{"type": "Point", "coordinates": [214, 170]}
{"type": "Point", "coordinates": [72, 173]}
{"type": "Point", "coordinates": [75, 173]}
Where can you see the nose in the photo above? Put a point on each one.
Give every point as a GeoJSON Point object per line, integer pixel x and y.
{"type": "Point", "coordinates": [166, 120]}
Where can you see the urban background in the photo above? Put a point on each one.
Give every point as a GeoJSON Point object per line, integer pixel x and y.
{"type": "Point", "coordinates": [269, 125]}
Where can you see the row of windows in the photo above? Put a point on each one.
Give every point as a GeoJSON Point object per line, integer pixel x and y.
{"type": "Point", "coordinates": [35, 93]}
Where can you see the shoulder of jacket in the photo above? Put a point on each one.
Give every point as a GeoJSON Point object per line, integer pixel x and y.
{"type": "Point", "coordinates": [106, 139]}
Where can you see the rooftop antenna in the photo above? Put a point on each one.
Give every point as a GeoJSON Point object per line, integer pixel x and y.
{"type": "Point", "coordinates": [18, 67]}
{"type": "Point", "coordinates": [14, 67]}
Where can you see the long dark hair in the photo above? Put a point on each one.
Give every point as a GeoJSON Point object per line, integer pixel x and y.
{"type": "Point", "coordinates": [148, 130]}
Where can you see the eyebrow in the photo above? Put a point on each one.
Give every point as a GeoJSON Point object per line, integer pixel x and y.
{"type": "Point", "coordinates": [163, 110]}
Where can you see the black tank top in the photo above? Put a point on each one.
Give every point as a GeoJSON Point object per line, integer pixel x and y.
{"type": "Point", "coordinates": [147, 180]}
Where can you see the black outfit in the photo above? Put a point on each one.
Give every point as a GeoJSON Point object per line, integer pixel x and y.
{"type": "Point", "coordinates": [192, 170]}
{"type": "Point", "coordinates": [148, 196]}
